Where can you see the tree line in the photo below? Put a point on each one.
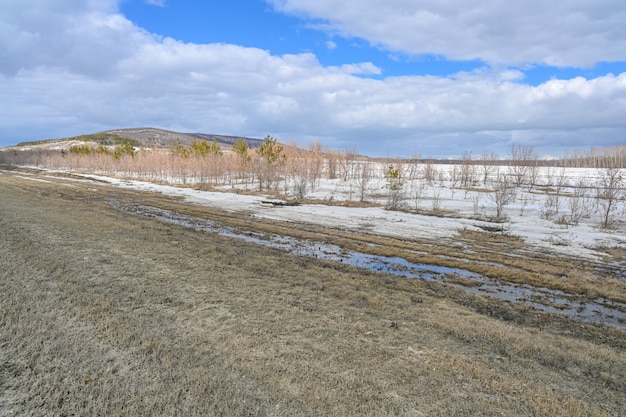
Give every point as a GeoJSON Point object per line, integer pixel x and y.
{"type": "Point", "coordinates": [297, 172]}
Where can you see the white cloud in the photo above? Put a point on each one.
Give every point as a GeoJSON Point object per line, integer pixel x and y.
{"type": "Point", "coordinates": [99, 71]}
{"type": "Point", "coordinates": [159, 3]}
{"type": "Point", "coordinates": [557, 33]}
{"type": "Point", "coordinates": [363, 68]}
{"type": "Point", "coordinates": [82, 36]}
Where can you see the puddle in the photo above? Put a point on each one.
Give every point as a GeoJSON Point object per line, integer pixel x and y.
{"type": "Point", "coordinates": [543, 299]}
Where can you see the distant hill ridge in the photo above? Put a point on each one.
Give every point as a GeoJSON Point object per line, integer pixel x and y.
{"type": "Point", "coordinates": [147, 137]}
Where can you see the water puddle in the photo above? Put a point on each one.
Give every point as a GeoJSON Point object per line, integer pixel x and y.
{"type": "Point", "coordinates": [543, 299]}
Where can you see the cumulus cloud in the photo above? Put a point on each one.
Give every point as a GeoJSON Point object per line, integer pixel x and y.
{"type": "Point", "coordinates": [555, 33]}
{"type": "Point", "coordinates": [87, 68]}
{"type": "Point", "coordinates": [80, 36]}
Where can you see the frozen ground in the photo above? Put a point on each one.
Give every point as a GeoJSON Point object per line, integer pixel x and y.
{"type": "Point", "coordinates": [525, 217]}
{"type": "Point", "coordinates": [332, 204]}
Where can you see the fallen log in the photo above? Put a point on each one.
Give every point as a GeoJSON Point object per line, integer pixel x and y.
{"type": "Point", "coordinates": [280, 203]}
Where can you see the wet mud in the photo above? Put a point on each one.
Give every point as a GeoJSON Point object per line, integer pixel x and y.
{"type": "Point", "coordinates": [542, 299]}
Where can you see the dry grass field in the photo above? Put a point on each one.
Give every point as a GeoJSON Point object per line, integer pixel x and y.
{"type": "Point", "coordinates": [103, 313]}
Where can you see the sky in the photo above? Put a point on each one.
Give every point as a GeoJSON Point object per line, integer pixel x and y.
{"type": "Point", "coordinates": [380, 77]}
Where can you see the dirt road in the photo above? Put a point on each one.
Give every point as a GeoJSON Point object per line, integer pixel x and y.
{"type": "Point", "coordinates": [106, 313]}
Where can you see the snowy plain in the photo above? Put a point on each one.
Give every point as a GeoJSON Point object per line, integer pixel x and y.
{"type": "Point", "coordinates": [473, 208]}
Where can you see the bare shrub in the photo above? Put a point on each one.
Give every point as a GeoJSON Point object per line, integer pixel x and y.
{"type": "Point", "coordinates": [504, 193]}
{"type": "Point", "coordinates": [416, 192]}
{"type": "Point", "coordinates": [523, 161]}
{"type": "Point", "coordinates": [436, 201]}
{"type": "Point", "coordinates": [533, 174]}
{"type": "Point", "coordinates": [332, 164]}
{"type": "Point", "coordinates": [467, 174]}
{"type": "Point", "coordinates": [550, 206]}
{"type": "Point", "coordinates": [413, 168]}
{"type": "Point", "coordinates": [299, 187]}
{"type": "Point", "coordinates": [363, 180]}
{"type": "Point", "coordinates": [609, 192]}
{"type": "Point", "coordinates": [347, 164]}
{"type": "Point", "coordinates": [579, 203]}
{"type": "Point", "coordinates": [524, 202]}
{"type": "Point", "coordinates": [476, 203]}
{"type": "Point", "coordinates": [454, 176]}
{"type": "Point", "coordinates": [430, 172]}
{"type": "Point", "coordinates": [488, 165]}
{"type": "Point", "coordinates": [315, 165]}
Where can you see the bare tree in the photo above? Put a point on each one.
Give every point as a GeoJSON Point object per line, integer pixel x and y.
{"type": "Point", "coordinates": [317, 161]}
{"type": "Point", "coordinates": [552, 202]}
{"type": "Point", "coordinates": [524, 200]}
{"type": "Point", "coordinates": [488, 165]}
{"type": "Point", "coordinates": [467, 170]}
{"type": "Point", "coordinates": [363, 180]}
{"type": "Point", "coordinates": [614, 156]}
{"type": "Point", "coordinates": [413, 169]}
{"type": "Point", "coordinates": [504, 193]}
{"type": "Point", "coordinates": [299, 174]}
{"type": "Point", "coordinates": [332, 162]}
{"type": "Point", "coordinates": [430, 173]}
{"type": "Point", "coordinates": [454, 176]}
{"type": "Point", "coordinates": [549, 176]}
{"type": "Point", "coordinates": [550, 206]}
{"type": "Point", "coordinates": [416, 191]}
{"type": "Point", "coordinates": [533, 174]}
{"type": "Point", "coordinates": [522, 159]}
{"type": "Point", "coordinates": [579, 203]}
{"type": "Point", "coordinates": [436, 201]}
{"type": "Point", "coordinates": [476, 203]}
{"type": "Point", "coordinates": [609, 192]}
{"type": "Point", "coordinates": [561, 181]}
{"type": "Point", "coordinates": [346, 163]}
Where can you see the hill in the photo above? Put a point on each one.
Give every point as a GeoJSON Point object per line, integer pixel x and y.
{"type": "Point", "coordinates": [142, 137]}
{"type": "Point", "coordinates": [149, 136]}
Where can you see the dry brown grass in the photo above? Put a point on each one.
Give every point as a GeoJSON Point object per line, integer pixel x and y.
{"type": "Point", "coordinates": [104, 313]}
{"type": "Point", "coordinates": [496, 255]}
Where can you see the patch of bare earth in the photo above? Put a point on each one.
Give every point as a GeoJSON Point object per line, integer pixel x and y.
{"type": "Point", "coordinates": [106, 313]}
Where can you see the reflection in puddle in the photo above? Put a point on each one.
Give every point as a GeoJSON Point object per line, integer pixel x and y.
{"type": "Point", "coordinates": [543, 299]}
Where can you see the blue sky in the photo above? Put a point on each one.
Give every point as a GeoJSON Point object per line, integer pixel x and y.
{"type": "Point", "coordinates": [383, 77]}
{"type": "Point", "coordinates": [254, 23]}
